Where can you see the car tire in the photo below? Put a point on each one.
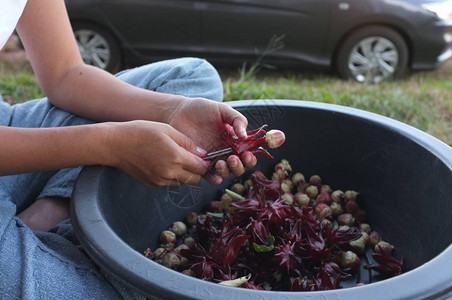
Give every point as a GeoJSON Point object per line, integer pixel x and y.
{"type": "Point", "coordinates": [98, 47]}
{"type": "Point", "coordinates": [372, 54]}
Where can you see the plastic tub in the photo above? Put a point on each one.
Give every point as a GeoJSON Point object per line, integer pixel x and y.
{"type": "Point", "coordinates": [404, 177]}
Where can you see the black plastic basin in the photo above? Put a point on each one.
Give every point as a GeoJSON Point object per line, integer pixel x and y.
{"type": "Point", "coordinates": [404, 177]}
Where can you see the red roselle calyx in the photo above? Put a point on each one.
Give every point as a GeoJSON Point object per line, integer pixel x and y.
{"type": "Point", "coordinates": [255, 140]}
{"type": "Point", "coordinates": [275, 236]}
{"type": "Point", "coordinates": [386, 264]}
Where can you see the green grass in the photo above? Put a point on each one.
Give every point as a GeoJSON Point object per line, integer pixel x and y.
{"type": "Point", "coordinates": [422, 99]}
{"type": "Point", "coordinates": [18, 83]}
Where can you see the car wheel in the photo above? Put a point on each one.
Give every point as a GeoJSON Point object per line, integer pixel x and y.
{"type": "Point", "coordinates": [373, 54]}
{"type": "Point", "coordinates": [97, 46]}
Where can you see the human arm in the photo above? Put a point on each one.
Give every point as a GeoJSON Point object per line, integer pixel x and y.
{"type": "Point", "coordinates": [130, 146]}
{"type": "Point", "coordinates": [90, 92]}
{"type": "Point", "coordinates": [70, 84]}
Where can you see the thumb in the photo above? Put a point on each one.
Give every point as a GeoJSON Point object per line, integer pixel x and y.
{"type": "Point", "coordinates": [194, 164]}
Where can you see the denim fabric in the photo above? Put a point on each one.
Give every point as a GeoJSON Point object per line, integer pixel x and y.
{"type": "Point", "coordinates": [52, 265]}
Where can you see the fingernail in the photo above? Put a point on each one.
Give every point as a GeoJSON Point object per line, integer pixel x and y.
{"type": "Point", "coordinates": [201, 151]}
{"type": "Point", "coordinates": [233, 163]}
{"type": "Point", "coordinates": [243, 132]}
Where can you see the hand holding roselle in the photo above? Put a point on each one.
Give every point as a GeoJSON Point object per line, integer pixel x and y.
{"type": "Point", "coordinates": [253, 143]}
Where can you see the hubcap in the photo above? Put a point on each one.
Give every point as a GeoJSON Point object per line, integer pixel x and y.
{"type": "Point", "coordinates": [93, 47]}
{"type": "Point", "coordinates": [373, 60]}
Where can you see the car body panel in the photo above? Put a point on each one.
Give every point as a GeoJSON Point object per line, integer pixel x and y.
{"type": "Point", "coordinates": [255, 22]}
{"type": "Point", "coordinates": [234, 31]}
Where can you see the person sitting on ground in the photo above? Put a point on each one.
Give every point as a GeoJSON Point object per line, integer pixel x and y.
{"type": "Point", "coordinates": [154, 122]}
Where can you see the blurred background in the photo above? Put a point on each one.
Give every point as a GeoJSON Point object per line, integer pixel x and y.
{"type": "Point", "coordinates": [388, 57]}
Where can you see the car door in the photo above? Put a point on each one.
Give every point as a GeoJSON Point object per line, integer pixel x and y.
{"type": "Point", "coordinates": [240, 27]}
{"type": "Point", "coordinates": [157, 25]}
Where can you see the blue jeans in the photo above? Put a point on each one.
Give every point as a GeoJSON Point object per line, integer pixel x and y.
{"type": "Point", "coordinates": [52, 265]}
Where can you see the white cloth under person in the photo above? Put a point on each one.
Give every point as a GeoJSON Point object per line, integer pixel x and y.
{"type": "Point", "coordinates": [10, 12]}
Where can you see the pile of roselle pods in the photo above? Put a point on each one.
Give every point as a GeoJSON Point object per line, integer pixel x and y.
{"type": "Point", "coordinates": [282, 234]}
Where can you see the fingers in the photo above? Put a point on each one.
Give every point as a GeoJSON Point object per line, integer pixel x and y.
{"type": "Point", "coordinates": [193, 166]}
{"type": "Point", "coordinates": [192, 162]}
{"type": "Point", "coordinates": [236, 120]}
{"type": "Point", "coordinates": [233, 165]}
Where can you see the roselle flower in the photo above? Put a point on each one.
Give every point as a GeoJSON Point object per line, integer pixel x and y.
{"type": "Point", "coordinates": [340, 239]}
{"type": "Point", "coordinates": [203, 270]}
{"type": "Point", "coordinates": [249, 207]}
{"type": "Point", "coordinates": [227, 246]}
{"type": "Point", "coordinates": [307, 216]}
{"type": "Point", "coordinates": [315, 245]}
{"type": "Point", "coordinates": [270, 189]}
{"type": "Point", "coordinates": [206, 231]}
{"type": "Point", "coordinates": [257, 231]}
{"type": "Point", "coordinates": [286, 258]}
{"type": "Point", "coordinates": [295, 232]}
{"type": "Point", "coordinates": [225, 273]}
{"type": "Point", "coordinates": [252, 204]}
{"type": "Point", "coordinates": [329, 277]}
{"type": "Point", "coordinates": [200, 262]}
{"type": "Point", "coordinates": [386, 264]}
{"type": "Point", "coordinates": [274, 212]}
{"type": "Point", "coordinates": [285, 247]}
{"type": "Point", "coordinates": [255, 140]}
